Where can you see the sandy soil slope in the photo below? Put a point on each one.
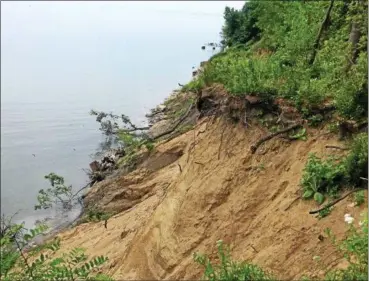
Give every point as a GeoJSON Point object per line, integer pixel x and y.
{"type": "Point", "coordinates": [203, 186]}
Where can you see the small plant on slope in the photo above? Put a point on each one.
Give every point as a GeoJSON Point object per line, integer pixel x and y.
{"type": "Point", "coordinates": [355, 250]}
{"type": "Point", "coordinates": [321, 177]}
{"type": "Point", "coordinates": [229, 270]}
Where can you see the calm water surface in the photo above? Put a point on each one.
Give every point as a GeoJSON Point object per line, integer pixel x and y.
{"type": "Point", "coordinates": [59, 60]}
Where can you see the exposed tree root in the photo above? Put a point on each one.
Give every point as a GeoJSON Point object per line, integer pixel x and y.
{"type": "Point", "coordinates": [337, 200]}
{"type": "Point", "coordinates": [270, 136]}
{"type": "Point", "coordinates": [336, 147]}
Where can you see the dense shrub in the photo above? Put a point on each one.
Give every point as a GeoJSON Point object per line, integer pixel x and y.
{"type": "Point", "coordinates": [275, 43]}
{"type": "Point", "coordinates": [356, 163]}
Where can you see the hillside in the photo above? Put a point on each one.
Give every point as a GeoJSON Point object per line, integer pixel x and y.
{"type": "Point", "coordinates": [272, 127]}
{"type": "Point", "coordinates": [251, 201]}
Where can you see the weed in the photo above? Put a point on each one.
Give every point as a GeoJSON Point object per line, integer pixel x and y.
{"type": "Point", "coordinates": [321, 177]}
{"type": "Point", "coordinates": [229, 270]}
{"type": "Point", "coordinates": [261, 167]}
{"type": "Point", "coordinates": [95, 215]}
{"type": "Point", "coordinates": [356, 161]}
{"type": "Point", "coordinates": [359, 197]}
{"type": "Point", "coordinates": [325, 212]}
{"type": "Point", "coordinates": [355, 250]}
{"type": "Point", "coordinates": [315, 120]}
{"type": "Point", "coordinates": [300, 135]}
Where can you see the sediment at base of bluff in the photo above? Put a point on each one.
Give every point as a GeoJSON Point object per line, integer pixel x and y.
{"type": "Point", "coordinates": [206, 185]}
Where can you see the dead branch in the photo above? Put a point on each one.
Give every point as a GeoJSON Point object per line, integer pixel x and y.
{"type": "Point", "coordinates": [365, 179]}
{"type": "Point", "coordinates": [87, 185]}
{"type": "Point", "coordinates": [336, 147]}
{"type": "Point", "coordinates": [180, 168]}
{"type": "Point", "coordinates": [324, 26]}
{"type": "Point", "coordinates": [184, 116]}
{"type": "Point", "coordinates": [337, 200]}
{"type": "Point", "coordinates": [270, 136]}
{"type": "Point", "coordinates": [202, 164]}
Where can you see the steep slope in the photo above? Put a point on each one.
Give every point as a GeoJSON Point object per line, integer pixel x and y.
{"type": "Point", "coordinates": [213, 188]}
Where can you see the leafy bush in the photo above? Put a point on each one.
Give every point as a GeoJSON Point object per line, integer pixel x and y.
{"type": "Point", "coordinates": [355, 250]}
{"type": "Point", "coordinates": [228, 269]}
{"type": "Point", "coordinates": [321, 176]}
{"type": "Point", "coordinates": [357, 160]}
{"type": "Point", "coordinates": [327, 176]}
{"type": "Point", "coordinates": [17, 264]}
{"type": "Point", "coordinates": [273, 43]}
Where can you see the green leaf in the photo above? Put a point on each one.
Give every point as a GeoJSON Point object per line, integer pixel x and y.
{"type": "Point", "coordinates": [318, 197]}
{"type": "Point", "coordinates": [308, 194]}
{"type": "Point", "coordinates": [27, 237]}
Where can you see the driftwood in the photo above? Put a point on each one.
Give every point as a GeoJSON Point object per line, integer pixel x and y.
{"type": "Point", "coordinates": [323, 27]}
{"type": "Point", "coordinates": [337, 200]}
{"type": "Point", "coordinates": [270, 136]}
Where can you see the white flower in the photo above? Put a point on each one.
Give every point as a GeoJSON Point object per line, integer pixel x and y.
{"type": "Point", "coordinates": [348, 218]}
{"type": "Point", "coordinates": [361, 223]}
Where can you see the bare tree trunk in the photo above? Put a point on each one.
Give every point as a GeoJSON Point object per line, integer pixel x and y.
{"type": "Point", "coordinates": [323, 27]}
{"type": "Point", "coordinates": [354, 40]}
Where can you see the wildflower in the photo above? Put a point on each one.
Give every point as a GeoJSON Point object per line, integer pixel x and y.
{"type": "Point", "coordinates": [348, 218]}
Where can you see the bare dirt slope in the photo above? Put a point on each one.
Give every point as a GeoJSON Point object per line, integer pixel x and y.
{"type": "Point", "coordinates": [211, 187]}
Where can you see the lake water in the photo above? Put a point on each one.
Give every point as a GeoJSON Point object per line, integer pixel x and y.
{"type": "Point", "coordinates": [59, 60]}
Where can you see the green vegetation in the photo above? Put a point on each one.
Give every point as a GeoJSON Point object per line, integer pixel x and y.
{"type": "Point", "coordinates": [357, 161]}
{"type": "Point", "coordinates": [286, 49]}
{"type": "Point", "coordinates": [43, 262]}
{"type": "Point", "coordinates": [355, 250]}
{"type": "Point", "coordinates": [328, 176]}
{"type": "Point", "coordinates": [95, 215]}
{"type": "Point", "coordinates": [228, 269]}
{"type": "Point", "coordinates": [58, 193]}
{"type": "Point", "coordinates": [325, 212]}
{"type": "Point", "coordinates": [359, 198]}
{"type": "Point", "coordinates": [320, 177]}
